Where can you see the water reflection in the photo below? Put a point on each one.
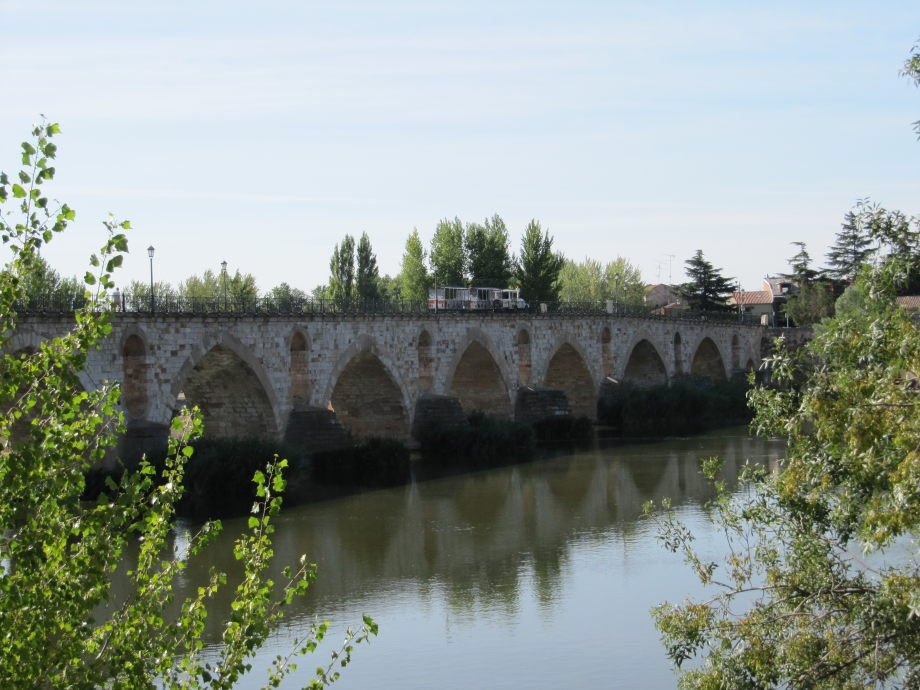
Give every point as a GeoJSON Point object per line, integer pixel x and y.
{"type": "Point", "coordinates": [489, 550]}
{"type": "Point", "coordinates": [477, 535]}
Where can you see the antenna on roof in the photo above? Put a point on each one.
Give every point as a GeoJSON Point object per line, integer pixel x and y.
{"type": "Point", "coordinates": [670, 258]}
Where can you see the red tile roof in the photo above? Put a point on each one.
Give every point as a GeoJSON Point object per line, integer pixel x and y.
{"type": "Point", "coordinates": [756, 297]}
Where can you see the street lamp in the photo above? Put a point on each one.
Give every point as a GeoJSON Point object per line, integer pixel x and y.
{"type": "Point", "coordinates": [223, 280]}
{"type": "Point", "coordinates": [150, 254]}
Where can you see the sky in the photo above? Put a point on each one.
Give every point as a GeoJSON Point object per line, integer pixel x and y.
{"type": "Point", "coordinates": [261, 133]}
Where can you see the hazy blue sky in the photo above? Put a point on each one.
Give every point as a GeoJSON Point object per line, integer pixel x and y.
{"type": "Point", "coordinates": [261, 133]}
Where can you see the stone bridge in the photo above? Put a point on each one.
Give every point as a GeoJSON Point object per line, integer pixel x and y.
{"type": "Point", "coordinates": [265, 375]}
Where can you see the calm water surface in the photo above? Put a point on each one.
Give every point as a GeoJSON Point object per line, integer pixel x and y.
{"type": "Point", "coordinates": [536, 575]}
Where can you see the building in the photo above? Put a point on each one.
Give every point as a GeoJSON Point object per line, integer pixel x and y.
{"type": "Point", "coordinates": [769, 303]}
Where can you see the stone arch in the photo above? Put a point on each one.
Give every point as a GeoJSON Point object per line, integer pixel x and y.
{"type": "Point", "coordinates": [678, 354]}
{"type": "Point", "coordinates": [707, 361]}
{"type": "Point", "coordinates": [134, 395]}
{"type": "Point", "coordinates": [425, 362]}
{"type": "Point", "coordinates": [607, 352]}
{"type": "Point", "coordinates": [477, 381]}
{"type": "Point", "coordinates": [568, 372]}
{"type": "Point", "coordinates": [227, 382]}
{"type": "Point", "coordinates": [29, 342]}
{"type": "Point", "coordinates": [300, 369]}
{"type": "Point", "coordinates": [736, 352]}
{"type": "Point", "coordinates": [524, 356]}
{"type": "Point", "coordinates": [366, 396]}
{"type": "Point", "coordinates": [750, 366]}
{"type": "Point", "coordinates": [644, 367]}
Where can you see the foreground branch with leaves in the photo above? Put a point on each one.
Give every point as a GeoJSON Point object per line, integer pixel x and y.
{"type": "Point", "coordinates": [60, 626]}
{"type": "Point", "coordinates": [821, 584]}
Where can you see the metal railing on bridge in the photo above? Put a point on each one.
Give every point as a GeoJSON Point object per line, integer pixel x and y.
{"type": "Point", "coordinates": [310, 307]}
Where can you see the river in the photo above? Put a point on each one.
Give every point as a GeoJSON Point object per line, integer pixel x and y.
{"type": "Point", "coordinates": [533, 575]}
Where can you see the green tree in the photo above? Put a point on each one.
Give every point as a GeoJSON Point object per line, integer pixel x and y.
{"type": "Point", "coordinates": [897, 237]}
{"type": "Point", "coordinates": [815, 297]}
{"type": "Point", "coordinates": [581, 282]}
{"type": "Point", "coordinates": [448, 261]}
{"type": "Point", "coordinates": [821, 587]}
{"type": "Point", "coordinates": [537, 268]}
{"type": "Point", "coordinates": [488, 255]}
{"type": "Point", "coordinates": [911, 70]}
{"type": "Point", "coordinates": [59, 552]}
{"type": "Point", "coordinates": [285, 298]}
{"type": "Point", "coordinates": [707, 288]}
{"type": "Point", "coordinates": [390, 288]}
{"type": "Point", "coordinates": [802, 272]}
{"type": "Point", "coordinates": [813, 302]}
{"type": "Point", "coordinates": [367, 275]}
{"type": "Point", "coordinates": [413, 276]}
{"type": "Point", "coordinates": [852, 303]}
{"type": "Point", "coordinates": [342, 271]}
{"type": "Point", "coordinates": [796, 604]}
{"type": "Point", "coordinates": [208, 287]}
{"type": "Point", "coordinates": [136, 295]}
{"type": "Point", "coordinates": [242, 291]}
{"type": "Point", "coordinates": [590, 281]}
{"type": "Point", "coordinates": [851, 250]}
{"type": "Point", "coordinates": [44, 288]}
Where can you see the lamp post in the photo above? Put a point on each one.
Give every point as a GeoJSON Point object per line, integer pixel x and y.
{"type": "Point", "coordinates": [150, 254]}
{"type": "Point", "coordinates": [223, 281]}
{"type": "Point", "coordinates": [616, 293]}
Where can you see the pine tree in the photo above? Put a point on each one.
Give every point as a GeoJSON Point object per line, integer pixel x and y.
{"type": "Point", "coordinates": [851, 249]}
{"type": "Point", "coordinates": [707, 289]}
{"type": "Point", "coordinates": [802, 272]}
{"type": "Point", "coordinates": [537, 269]}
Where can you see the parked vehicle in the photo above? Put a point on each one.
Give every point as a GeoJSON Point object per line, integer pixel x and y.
{"type": "Point", "coordinates": [450, 298]}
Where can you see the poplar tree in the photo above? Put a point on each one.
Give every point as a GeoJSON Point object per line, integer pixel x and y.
{"type": "Point", "coordinates": [448, 261]}
{"type": "Point", "coordinates": [342, 271]}
{"type": "Point", "coordinates": [414, 280]}
{"type": "Point", "coordinates": [488, 256]}
{"type": "Point", "coordinates": [367, 275]}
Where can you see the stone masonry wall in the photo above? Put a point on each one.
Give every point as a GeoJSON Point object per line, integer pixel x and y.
{"type": "Point", "coordinates": [474, 356]}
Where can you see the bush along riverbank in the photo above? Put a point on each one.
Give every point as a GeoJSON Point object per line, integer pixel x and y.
{"type": "Point", "coordinates": [690, 405]}
{"type": "Point", "coordinates": [486, 441]}
{"type": "Point", "coordinates": [574, 431]}
{"type": "Point", "coordinates": [218, 476]}
{"type": "Point", "coordinates": [375, 462]}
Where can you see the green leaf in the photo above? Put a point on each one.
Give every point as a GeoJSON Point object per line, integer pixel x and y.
{"type": "Point", "coordinates": [253, 522]}
{"type": "Point", "coordinates": [89, 278]}
{"type": "Point", "coordinates": [18, 191]}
